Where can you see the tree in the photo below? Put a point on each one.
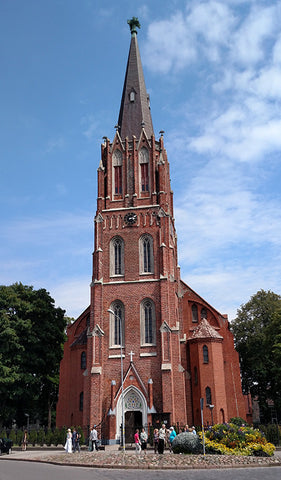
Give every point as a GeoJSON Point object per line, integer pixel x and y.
{"type": "Point", "coordinates": [32, 334]}
{"type": "Point", "coordinates": [257, 334]}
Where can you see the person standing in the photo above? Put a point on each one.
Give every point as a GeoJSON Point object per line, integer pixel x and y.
{"type": "Point", "coordinates": [94, 438]}
{"type": "Point", "coordinates": [155, 440]}
{"type": "Point", "coordinates": [68, 443]}
{"type": "Point", "coordinates": [75, 441]}
{"type": "Point", "coordinates": [161, 439]}
{"type": "Point", "coordinates": [137, 441]}
{"type": "Point", "coordinates": [143, 440]}
{"type": "Point", "coordinates": [172, 435]}
{"type": "Point", "coordinates": [24, 440]}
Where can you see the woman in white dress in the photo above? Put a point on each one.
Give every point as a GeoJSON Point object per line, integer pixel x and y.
{"type": "Point", "coordinates": [68, 443]}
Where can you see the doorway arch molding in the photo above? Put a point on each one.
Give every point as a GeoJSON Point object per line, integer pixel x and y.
{"type": "Point", "coordinates": [134, 400]}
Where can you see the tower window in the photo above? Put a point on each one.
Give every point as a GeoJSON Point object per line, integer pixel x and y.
{"type": "Point", "coordinates": [205, 354]}
{"type": "Point", "coordinates": [208, 396]}
{"type": "Point", "coordinates": [117, 325]}
{"type": "Point", "coordinates": [146, 254]}
{"type": "Point", "coordinates": [147, 323]}
{"type": "Point", "coordinates": [144, 169]}
{"type": "Point", "coordinates": [132, 96]}
{"type": "Point", "coordinates": [117, 256]}
{"type": "Point", "coordinates": [117, 172]}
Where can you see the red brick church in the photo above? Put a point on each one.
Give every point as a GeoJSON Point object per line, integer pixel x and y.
{"type": "Point", "coordinates": [176, 348]}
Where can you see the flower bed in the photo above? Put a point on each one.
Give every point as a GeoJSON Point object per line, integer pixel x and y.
{"type": "Point", "coordinates": [230, 439]}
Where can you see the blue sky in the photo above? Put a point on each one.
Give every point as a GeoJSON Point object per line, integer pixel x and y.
{"type": "Point", "coordinates": [213, 71]}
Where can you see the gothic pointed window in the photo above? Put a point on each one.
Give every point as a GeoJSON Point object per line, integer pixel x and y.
{"type": "Point", "coordinates": [146, 254]}
{"type": "Point", "coordinates": [205, 354]}
{"type": "Point", "coordinates": [116, 322]}
{"type": "Point", "coordinates": [83, 361]}
{"type": "Point", "coordinates": [117, 172]}
{"type": "Point", "coordinates": [194, 313]}
{"type": "Point", "coordinates": [147, 323]}
{"type": "Point", "coordinates": [204, 313]}
{"type": "Point", "coordinates": [144, 170]}
{"type": "Point", "coordinates": [208, 396]}
{"type": "Point", "coordinates": [117, 256]}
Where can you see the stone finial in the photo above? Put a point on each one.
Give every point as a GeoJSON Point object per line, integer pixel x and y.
{"type": "Point", "coordinates": [134, 24]}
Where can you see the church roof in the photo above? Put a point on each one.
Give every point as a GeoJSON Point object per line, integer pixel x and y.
{"type": "Point", "coordinates": [135, 109]}
{"type": "Point", "coordinates": [205, 330]}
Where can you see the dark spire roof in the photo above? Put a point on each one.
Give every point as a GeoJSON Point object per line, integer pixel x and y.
{"type": "Point", "coordinates": [134, 110]}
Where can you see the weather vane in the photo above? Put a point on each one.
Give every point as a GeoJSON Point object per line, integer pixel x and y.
{"type": "Point", "coordinates": [134, 23]}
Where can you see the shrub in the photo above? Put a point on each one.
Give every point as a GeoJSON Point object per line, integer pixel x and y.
{"type": "Point", "coordinates": [19, 437]}
{"type": "Point", "coordinates": [13, 436]}
{"type": "Point", "coordinates": [238, 421]}
{"type": "Point", "coordinates": [32, 437]}
{"type": "Point", "coordinates": [186, 442]}
{"type": "Point", "coordinates": [41, 436]}
{"type": "Point", "coordinates": [49, 437]}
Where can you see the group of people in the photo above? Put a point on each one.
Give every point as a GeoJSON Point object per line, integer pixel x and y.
{"type": "Point", "coordinates": [162, 437]}
{"type": "Point", "coordinates": [72, 443]}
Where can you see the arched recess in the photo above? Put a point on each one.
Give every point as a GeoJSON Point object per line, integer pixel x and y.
{"type": "Point", "coordinates": [135, 402]}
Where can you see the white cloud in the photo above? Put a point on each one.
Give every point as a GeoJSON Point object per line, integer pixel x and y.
{"type": "Point", "coordinates": [72, 295]}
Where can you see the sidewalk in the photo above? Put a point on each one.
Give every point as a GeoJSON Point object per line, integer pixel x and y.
{"type": "Point", "coordinates": [111, 457]}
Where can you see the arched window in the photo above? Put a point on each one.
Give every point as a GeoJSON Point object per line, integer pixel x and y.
{"type": "Point", "coordinates": [194, 313]}
{"type": "Point", "coordinates": [117, 256]}
{"type": "Point", "coordinates": [205, 354]}
{"type": "Point", "coordinates": [204, 313]}
{"type": "Point", "coordinates": [144, 169]}
{"type": "Point", "coordinates": [147, 323]}
{"type": "Point", "coordinates": [83, 360]}
{"type": "Point", "coordinates": [81, 401]}
{"type": "Point", "coordinates": [146, 254]}
{"type": "Point", "coordinates": [117, 172]}
{"type": "Point", "coordinates": [195, 376]}
{"type": "Point", "coordinates": [208, 396]}
{"type": "Point", "coordinates": [117, 325]}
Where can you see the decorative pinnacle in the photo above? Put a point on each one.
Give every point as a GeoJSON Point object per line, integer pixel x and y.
{"type": "Point", "coordinates": [134, 23]}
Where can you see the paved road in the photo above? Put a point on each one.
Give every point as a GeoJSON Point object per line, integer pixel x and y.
{"type": "Point", "coordinates": [12, 470]}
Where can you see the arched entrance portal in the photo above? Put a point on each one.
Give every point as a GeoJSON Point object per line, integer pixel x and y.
{"type": "Point", "coordinates": [135, 411]}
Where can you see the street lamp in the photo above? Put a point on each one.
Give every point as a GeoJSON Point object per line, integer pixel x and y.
{"type": "Point", "coordinates": [122, 385]}
{"type": "Point", "coordinates": [211, 407]}
{"type": "Point", "coordinates": [27, 426]}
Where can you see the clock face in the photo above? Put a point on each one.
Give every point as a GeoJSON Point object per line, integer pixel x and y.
{"type": "Point", "coordinates": [130, 218]}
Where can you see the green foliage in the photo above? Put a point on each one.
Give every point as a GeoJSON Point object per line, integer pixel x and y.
{"type": "Point", "coordinates": [272, 433]}
{"type": "Point", "coordinates": [32, 437]}
{"type": "Point", "coordinates": [230, 439]}
{"type": "Point", "coordinates": [32, 334]}
{"type": "Point", "coordinates": [256, 329]}
{"type": "Point", "coordinates": [19, 437]}
{"type": "Point", "coordinates": [49, 437]}
{"type": "Point", "coordinates": [13, 437]}
{"type": "Point", "coordinates": [56, 437]}
{"type": "Point", "coordinates": [186, 442]}
{"type": "Point", "coordinates": [237, 421]}
{"type": "Point", "coordinates": [41, 437]}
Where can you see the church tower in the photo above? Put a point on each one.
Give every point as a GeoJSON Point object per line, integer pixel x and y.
{"type": "Point", "coordinates": [148, 348]}
{"type": "Point", "coordinates": [135, 274]}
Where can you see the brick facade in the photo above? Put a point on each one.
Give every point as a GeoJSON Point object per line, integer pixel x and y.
{"type": "Point", "coordinates": [136, 275]}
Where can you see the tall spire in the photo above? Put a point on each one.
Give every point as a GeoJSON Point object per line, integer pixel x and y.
{"type": "Point", "coordinates": [134, 111]}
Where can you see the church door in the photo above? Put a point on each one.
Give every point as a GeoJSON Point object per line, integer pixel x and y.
{"type": "Point", "coordinates": [133, 420]}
